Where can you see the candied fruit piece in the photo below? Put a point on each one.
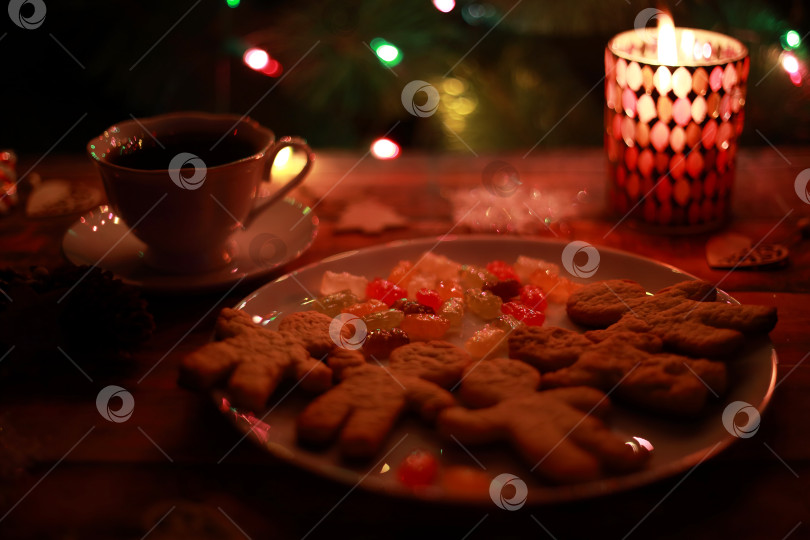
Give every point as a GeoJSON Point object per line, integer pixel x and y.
{"type": "Point", "coordinates": [384, 290]}
{"type": "Point", "coordinates": [453, 311]}
{"type": "Point", "coordinates": [474, 277]}
{"type": "Point", "coordinates": [533, 297]}
{"type": "Point", "coordinates": [558, 287]}
{"type": "Point", "coordinates": [508, 323]}
{"type": "Point", "coordinates": [505, 290]}
{"type": "Point", "coordinates": [425, 327]}
{"type": "Point", "coordinates": [409, 307]}
{"type": "Point", "coordinates": [524, 313]}
{"type": "Point", "coordinates": [383, 320]}
{"type": "Point", "coordinates": [364, 308]}
{"type": "Point", "coordinates": [526, 266]}
{"type": "Point", "coordinates": [448, 289]}
{"type": "Point", "coordinates": [333, 282]}
{"type": "Point", "coordinates": [401, 274]}
{"type": "Point", "coordinates": [381, 343]}
{"type": "Point", "coordinates": [502, 271]}
{"type": "Point", "coordinates": [418, 469]}
{"type": "Point", "coordinates": [437, 265]}
{"type": "Point", "coordinates": [421, 281]}
{"type": "Point", "coordinates": [482, 303]}
{"type": "Point", "coordinates": [333, 304]}
{"type": "Point", "coordinates": [487, 342]}
{"type": "Point", "coordinates": [429, 298]}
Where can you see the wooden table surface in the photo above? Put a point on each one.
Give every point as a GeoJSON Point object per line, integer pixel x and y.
{"type": "Point", "coordinates": [68, 473]}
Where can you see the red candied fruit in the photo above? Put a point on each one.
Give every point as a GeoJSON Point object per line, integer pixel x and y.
{"type": "Point", "coordinates": [418, 469]}
{"type": "Point", "coordinates": [385, 291]}
{"type": "Point", "coordinates": [523, 313]}
{"type": "Point", "coordinates": [429, 298]}
{"type": "Point", "coordinates": [533, 297]}
{"type": "Point", "coordinates": [502, 271]}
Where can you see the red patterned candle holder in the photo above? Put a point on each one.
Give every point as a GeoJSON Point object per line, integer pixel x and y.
{"type": "Point", "coordinates": [671, 125]}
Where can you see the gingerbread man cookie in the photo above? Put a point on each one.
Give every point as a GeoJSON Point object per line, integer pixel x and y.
{"type": "Point", "coordinates": [362, 409]}
{"type": "Point", "coordinates": [685, 316]}
{"type": "Point", "coordinates": [252, 360]}
{"type": "Point", "coordinates": [560, 433]}
{"type": "Point", "coordinates": [634, 366]}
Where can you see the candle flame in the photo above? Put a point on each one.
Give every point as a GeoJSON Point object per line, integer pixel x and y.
{"type": "Point", "coordinates": [667, 46]}
{"type": "Point", "coordinates": [688, 44]}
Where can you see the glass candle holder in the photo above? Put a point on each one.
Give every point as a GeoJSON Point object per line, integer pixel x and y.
{"type": "Point", "coordinates": [671, 127]}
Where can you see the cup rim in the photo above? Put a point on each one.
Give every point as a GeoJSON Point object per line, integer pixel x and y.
{"type": "Point", "coordinates": [144, 121]}
{"type": "Point", "coordinates": [742, 50]}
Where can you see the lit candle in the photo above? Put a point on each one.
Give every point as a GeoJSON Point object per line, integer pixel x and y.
{"type": "Point", "coordinates": [674, 110]}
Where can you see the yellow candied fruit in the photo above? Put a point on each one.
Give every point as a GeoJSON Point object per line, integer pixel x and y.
{"type": "Point", "coordinates": [474, 277]}
{"type": "Point", "coordinates": [487, 342]}
{"type": "Point", "coordinates": [453, 311]}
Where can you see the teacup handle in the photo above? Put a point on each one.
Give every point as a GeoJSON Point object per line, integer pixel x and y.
{"type": "Point", "coordinates": [296, 143]}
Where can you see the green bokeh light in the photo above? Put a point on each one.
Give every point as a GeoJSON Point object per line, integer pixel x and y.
{"type": "Point", "coordinates": [387, 53]}
{"type": "Point", "coordinates": [233, 3]}
{"type": "Point", "coordinates": [791, 39]}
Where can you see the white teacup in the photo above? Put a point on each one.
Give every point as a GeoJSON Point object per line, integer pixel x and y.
{"type": "Point", "coordinates": [185, 182]}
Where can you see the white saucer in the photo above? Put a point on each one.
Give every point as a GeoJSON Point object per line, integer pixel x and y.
{"type": "Point", "coordinates": [276, 236]}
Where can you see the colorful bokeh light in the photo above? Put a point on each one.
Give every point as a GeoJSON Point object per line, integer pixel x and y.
{"type": "Point", "coordinates": [388, 53]}
{"type": "Point", "coordinates": [445, 6]}
{"type": "Point", "coordinates": [384, 149]}
{"type": "Point", "coordinates": [792, 39]}
{"type": "Point", "coordinates": [790, 63]}
{"type": "Point", "coordinates": [233, 3]}
{"type": "Point", "coordinates": [256, 58]}
{"type": "Point", "coordinates": [259, 60]}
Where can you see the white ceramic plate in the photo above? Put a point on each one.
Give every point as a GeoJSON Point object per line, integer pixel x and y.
{"type": "Point", "coordinates": [278, 235]}
{"type": "Point", "coordinates": [679, 445]}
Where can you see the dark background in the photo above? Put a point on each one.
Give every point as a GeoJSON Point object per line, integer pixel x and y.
{"type": "Point", "coordinates": [521, 79]}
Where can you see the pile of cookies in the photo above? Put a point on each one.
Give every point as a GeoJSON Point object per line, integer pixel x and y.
{"type": "Point", "coordinates": [548, 400]}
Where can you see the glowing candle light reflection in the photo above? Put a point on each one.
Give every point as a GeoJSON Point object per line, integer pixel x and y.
{"type": "Point", "coordinates": [667, 48]}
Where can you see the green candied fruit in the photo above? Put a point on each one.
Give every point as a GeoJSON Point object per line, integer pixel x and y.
{"type": "Point", "coordinates": [333, 304]}
{"type": "Point", "coordinates": [453, 311]}
{"type": "Point", "coordinates": [474, 277]}
{"type": "Point", "coordinates": [483, 303]}
{"type": "Point", "coordinates": [383, 320]}
{"type": "Point", "coordinates": [508, 323]}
